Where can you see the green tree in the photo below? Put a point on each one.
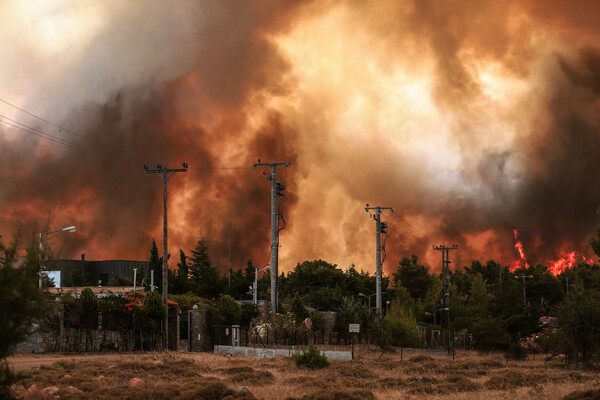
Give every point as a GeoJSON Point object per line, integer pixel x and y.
{"type": "Point", "coordinates": [154, 264]}
{"type": "Point", "coordinates": [88, 314]}
{"type": "Point", "coordinates": [479, 294]}
{"type": "Point", "coordinates": [413, 276]}
{"type": "Point", "coordinates": [400, 324]}
{"type": "Point", "coordinates": [154, 307]}
{"type": "Point", "coordinates": [300, 312]}
{"type": "Point", "coordinates": [579, 322]}
{"type": "Point", "coordinates": [204, 275]}
{"type": "Point", "coordinates": [181, 282]}
{"type": "Point", "coordinates": [21, 304]}
{"type": "Point", "coordinates": [229, 311]}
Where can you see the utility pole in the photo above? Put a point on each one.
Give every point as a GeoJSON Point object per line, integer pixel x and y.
{"type": "Point", "coordinates": [276, 190]}
{"type": "Point", "coordinates": [446, 276]}
{"type": "Point", "coordinates": [230, 255]}
{"type": "Point", "coordinates": [524, 277]}
{"type": "Point", "coordinates": [380, 228]}
{"type": "Point", "coordinates": [166, 173]}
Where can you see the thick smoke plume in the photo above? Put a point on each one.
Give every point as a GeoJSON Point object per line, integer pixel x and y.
{"type": "Point", "coordinates": [471, 120]}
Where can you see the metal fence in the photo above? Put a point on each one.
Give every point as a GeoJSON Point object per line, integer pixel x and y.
{"type": "Point", "coordinates": [268, 336]}
{"type": "Point", "coordinates": [264, 336]}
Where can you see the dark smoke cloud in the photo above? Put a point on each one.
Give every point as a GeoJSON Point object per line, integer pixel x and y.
{"type": "Point", "coordinates": [502, 132]}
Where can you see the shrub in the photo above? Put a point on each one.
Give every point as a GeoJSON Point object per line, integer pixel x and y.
{"type": "Point", "coordinates": [516, 352]}
{"type": "Point", "coordinates": [311, 359]}
{"type": "Point", "coordinates": [229, 310]}
{"type": "Point", "coordinates": [300, 312]}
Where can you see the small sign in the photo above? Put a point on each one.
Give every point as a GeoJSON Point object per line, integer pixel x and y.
{"type": "Point", "coordinates": [354, 328]}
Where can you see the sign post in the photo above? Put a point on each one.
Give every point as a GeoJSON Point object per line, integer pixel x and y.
{"type": "Point", "coordinates": [353, 328]}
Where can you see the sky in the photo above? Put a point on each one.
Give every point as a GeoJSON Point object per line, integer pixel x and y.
{"type": "Point", "coordinates": [470, 119]}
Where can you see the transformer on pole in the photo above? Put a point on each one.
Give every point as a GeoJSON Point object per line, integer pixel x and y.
{"type": "Point", "coordinates": [276, 190]}
{"type": "Point", "coordinates": [446, 277]}
{"type": "Point", "coordinates": [378, 231]}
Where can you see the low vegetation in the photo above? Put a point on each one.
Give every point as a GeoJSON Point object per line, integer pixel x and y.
{"type": "Point", "coordinates": [310, 358]}
{"type": "Point", "coordinates": [369, 376]}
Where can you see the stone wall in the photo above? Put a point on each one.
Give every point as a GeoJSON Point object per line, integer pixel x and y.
{"type": "Point", "coordinates": [199, 337]}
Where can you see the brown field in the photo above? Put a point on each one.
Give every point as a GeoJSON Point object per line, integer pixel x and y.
{"type": "Point", "coordinates": [208, 376]}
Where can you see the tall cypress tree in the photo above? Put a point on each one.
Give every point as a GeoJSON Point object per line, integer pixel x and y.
{"type": "Point", "coordinates": [155, 265]}
{"type": "Point", "coordinates": [204, 274]}
{"type": "Point", "coordinates": [182, 267]}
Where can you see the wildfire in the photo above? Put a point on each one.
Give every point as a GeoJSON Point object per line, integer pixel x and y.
{"type": "Point", "coordinates": [567, 261]}
{"type": "Point", "coordinates": [523, 261]}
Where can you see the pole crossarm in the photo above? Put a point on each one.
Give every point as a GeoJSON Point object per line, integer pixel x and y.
{"type": "Point", "coordinates": [273, 164]}
{"type": "Point", "coordinates": [275, 191]}
{"type": "Point", "coordinates": [378, 268]}
{"type": "Point", "coordinates": [166, 174]}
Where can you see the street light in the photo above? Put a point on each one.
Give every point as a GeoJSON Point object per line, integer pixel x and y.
{"type": "Point", "coordinates": [254, 287]}
{"type": "Point", "coordinates": [369, 297]}
{"type": "Point", "coordinates": [67, 229]}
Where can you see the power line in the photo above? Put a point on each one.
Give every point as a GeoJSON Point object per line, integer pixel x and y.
{"type": "Point", "coordinates": [45, 120]}
{"type": "Point", "coordinates": [42, 134]}
{"type": "Point", "coordinates": [221, 168]}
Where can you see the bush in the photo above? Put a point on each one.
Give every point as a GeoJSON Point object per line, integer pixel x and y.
{"type": "Point", "coordinates": [311, 359]}
{"type": "Point", "coordinates": [516, 352]}
{"type": "Point", "coordinates": [229, 310]}
{"type": "Point", "coordinates": [300, 312]}
{"type": "Point", "coordinates": [118, 281]}
{"type": "Point", "coordinates": [249, 312]}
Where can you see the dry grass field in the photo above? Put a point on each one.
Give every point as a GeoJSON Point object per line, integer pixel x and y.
{"type": "Point", "coordinates": [208, 376]}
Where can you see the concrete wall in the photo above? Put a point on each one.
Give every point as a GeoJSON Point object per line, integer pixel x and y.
{"type": "Point", "coordinates": [278, 353]}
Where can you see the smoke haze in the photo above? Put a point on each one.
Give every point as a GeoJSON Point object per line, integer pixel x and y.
{"type": "Point", "coordinates": [470, 120]}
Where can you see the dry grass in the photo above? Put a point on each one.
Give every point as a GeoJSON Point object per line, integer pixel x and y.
{"type": "Point", "coordinates": [208, 376]}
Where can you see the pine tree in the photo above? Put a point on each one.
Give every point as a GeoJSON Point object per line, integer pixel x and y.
{"type": "Point", "coordinates": [249, 272]}
{"type": "Point", "coordinates": [182, 267]}
{"type": "Point", "coordinates": [155, 265]}
{"type": "Point", "coordinates": [204, 275]}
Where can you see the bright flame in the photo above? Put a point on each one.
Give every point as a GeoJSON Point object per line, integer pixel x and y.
{"type": "Point", "coordinates": [556, 267]}
{"type": "Point", "coordinates": [567, 261]}
{"type": "Point", "coordinates": [523, 261]}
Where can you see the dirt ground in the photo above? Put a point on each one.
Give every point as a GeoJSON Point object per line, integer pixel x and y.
{"type": "Point", "coordinates": [369, 376]}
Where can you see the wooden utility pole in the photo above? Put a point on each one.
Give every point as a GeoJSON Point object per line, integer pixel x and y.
{"type": "Point", "coordinates": [166, 173]}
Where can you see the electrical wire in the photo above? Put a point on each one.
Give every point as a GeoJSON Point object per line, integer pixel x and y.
{"type": "Point", "coordinates": [205, 168]}
{"type": "Point", "coordinates": [280, 213]}
{"type": "Point", "coordinates": [41, 134]}
{"type": "Point", "coordinates": [45, 120]}
{"type": "Point", "coordinates": [423, 235]}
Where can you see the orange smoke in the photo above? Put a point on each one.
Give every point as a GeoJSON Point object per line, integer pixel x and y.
{"type": "Point", "coordinates": [466, 117]}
